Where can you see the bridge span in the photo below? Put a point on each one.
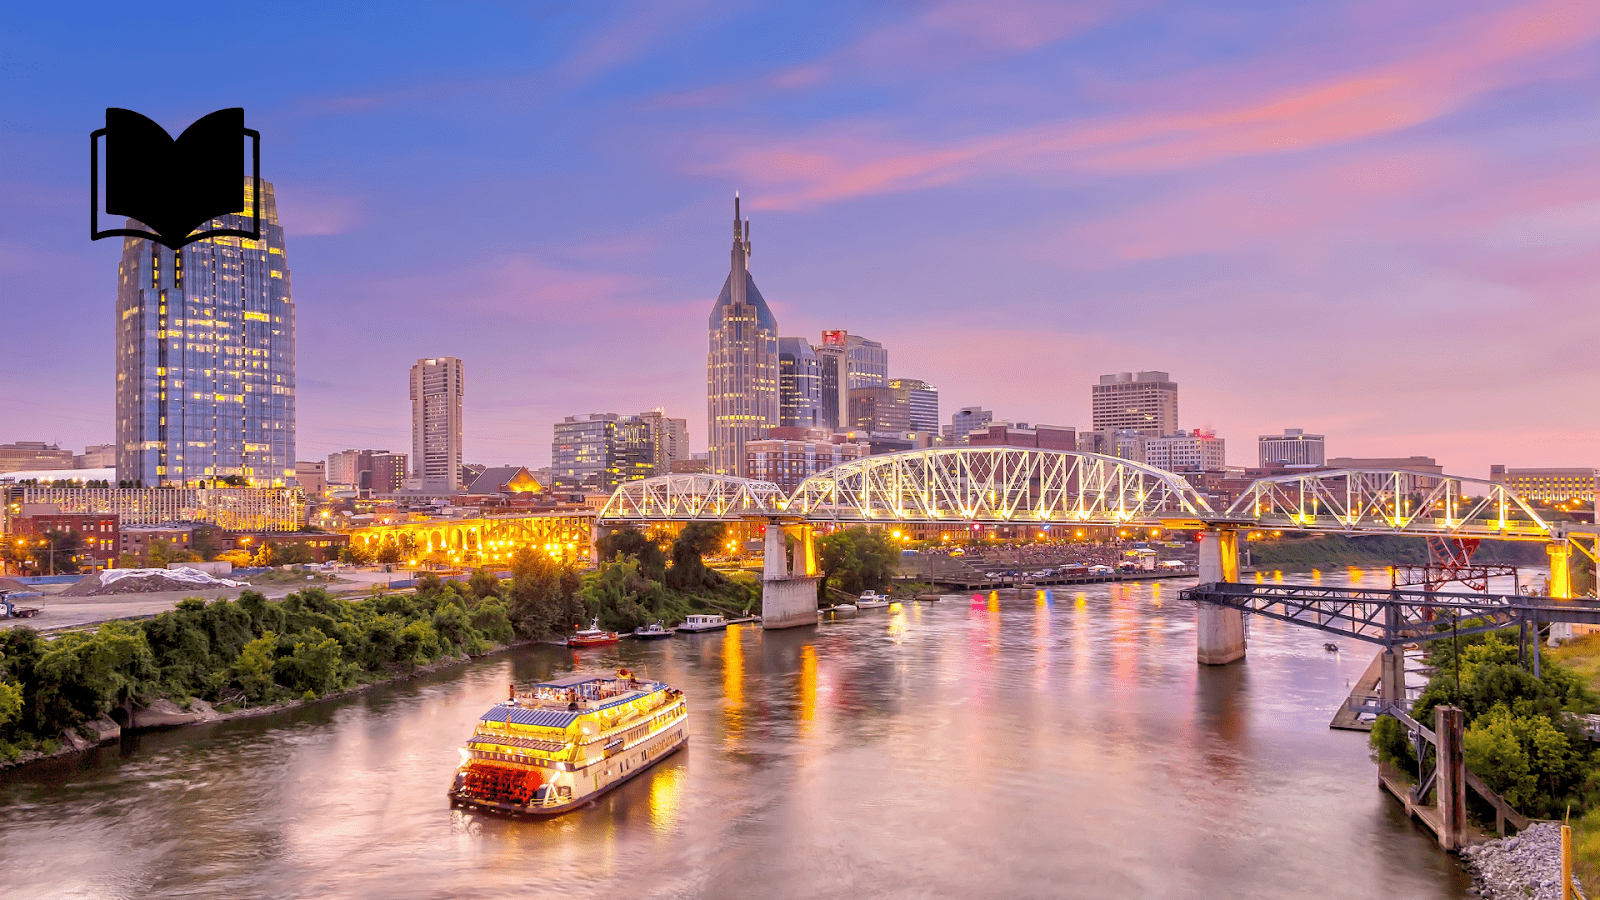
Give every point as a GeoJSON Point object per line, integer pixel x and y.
{"type": "Point", "coordinates": [1021, 486]}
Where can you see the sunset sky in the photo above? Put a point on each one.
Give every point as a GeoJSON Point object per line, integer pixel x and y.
{"type": "Point", "coordinates": [1374, 220]}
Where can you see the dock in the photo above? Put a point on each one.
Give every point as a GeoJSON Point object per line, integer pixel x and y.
{"type": "Point", "coordinates": [1365, 692]}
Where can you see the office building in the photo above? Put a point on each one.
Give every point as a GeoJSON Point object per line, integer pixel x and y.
{"type": "Point", "coordinates": [669, 439]}
{"type": "Point", "coordinates": [1146, 403]}
{"type": "Point", "coordinates": [1187, 451]}
{"type": "Point", "coordinates": [791, 455]}
{"type": "Point", "coordinates": [879, 410]}
{"type": "Point", "coordinates": [96, 456]}
{"type": "Point", "coordinates": [833, 368]}
{"type": "Point", "coordinates": [205, 357]}
{"type": "Point", "coordinates": [1546, 484]}
{"type": "Point", "coordinates": [312, 477]}
{"type": "Point", "coordinates": [437, 386]}
{"type": "Point", "coordinates": [1020, 434]}
{"type": "Point", "coordinates": [598, 451]}
{"type": "Point", "coordinates": [231, 509]}
{"type": "Point", "coordinates": [964, 421]}
{"type": "Point", "coordinates": [33, 456]}
{"type": "Point", "coordinates": [922, 399]}
{"type": "Point", "coordinates": [742, 364]}
{"type": "Point", "coordinates": [799, 384]}
{"type": "Point", "coordinates": [1424, 466]}
{"type": "Point", "coordinates": [1292, 448]}
{"type": "Point", "coordinates": [368, 471]}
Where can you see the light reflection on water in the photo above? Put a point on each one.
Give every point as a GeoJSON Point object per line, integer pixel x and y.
{"type": "Point", "coordinates": [998, 745]}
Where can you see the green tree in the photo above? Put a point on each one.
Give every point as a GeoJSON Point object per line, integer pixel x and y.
{"type": "Point", "coordinates": [857, 559]}
{"type": "Point", "coordinates": [294, 553]}
{"type": "Point", "coordinates": [252, 671]}
{"type": "Point", "coordinates": [483, 583]}
{"type": "Point", "coordinates": [356, 554]}
{"type": "Point", "coordinates": [630, 542]}
{"type": "Point", "coordinates": [689, 548]}
{"type": "Point", "coordinates": [10, 705]}
{"type": "Point", "coordinates": [266, 555]}
{"type": "Point", "coordinates": [388, 552]}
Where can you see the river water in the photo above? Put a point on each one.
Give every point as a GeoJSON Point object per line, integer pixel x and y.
{"type": "Point", "coordinates": [1063, 744]}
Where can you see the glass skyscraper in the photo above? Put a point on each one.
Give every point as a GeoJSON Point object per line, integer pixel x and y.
{"type": "Point", "coordinates": [742, 365]}
{"type": "Point", "coordinates": [799, 384]}
{"type": "Point", "coordinates": [205, 357]}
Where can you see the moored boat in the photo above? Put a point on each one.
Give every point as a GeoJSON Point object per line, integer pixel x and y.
{"type": "Point", "coordinates": [558, 744]}
{"type": "Point", "coordinates": [871, 600]}
{"type": "Point", "coordinates": [697, 623]}
{"type": "Point", "coordinates": [652, 632]}
{"type": "Point", "coordinates": [592, 636]}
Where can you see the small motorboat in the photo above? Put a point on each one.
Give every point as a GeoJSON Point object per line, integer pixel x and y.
{"type": "Point", "coordinates": [698, 623]}
{"type": "Point", "coordinates": [593, 636]}
{"type": "Point", "coordinates": [652, 632]}
{"type": "Point", "coordinates": [844, 607]}
{"type": "Point", "coordinates": [871, 600]}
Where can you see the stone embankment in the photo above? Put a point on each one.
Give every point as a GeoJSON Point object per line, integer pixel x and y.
{"type": "Point", "coordinates": [1527, 865]}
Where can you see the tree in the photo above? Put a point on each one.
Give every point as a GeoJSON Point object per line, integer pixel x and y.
{"type": "Point", "coordinates": [483, 583]}
{"type": "Point", "coordinates": [543, 595]}
{"type": "Point", "coordinates": [689, 570]}
{"type": "Point", "coordinates": [56, 552]}
{"type": "Point", "coordinates": [388, 552]}
{"type": "Point", "coordinates": [631, 542]}
{"type": "Point", "coordinates": [356, 554]}
{"type": "Point", "coordinates": [294, 553]}
{"type": "Point", "coordinates": [266, 555]}
{"type": "Point", "coordinates": [857, 559]}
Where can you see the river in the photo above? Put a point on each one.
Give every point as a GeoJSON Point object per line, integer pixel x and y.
{"type": "Point", "coordinates": [1063, 744]}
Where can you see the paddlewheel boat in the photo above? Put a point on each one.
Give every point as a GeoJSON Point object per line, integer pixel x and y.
{"type": "Point", "coordinates": [556, 745]}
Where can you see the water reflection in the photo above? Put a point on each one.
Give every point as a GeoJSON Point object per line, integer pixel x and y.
{"type": "Point", "coordinates": [1013, 747]}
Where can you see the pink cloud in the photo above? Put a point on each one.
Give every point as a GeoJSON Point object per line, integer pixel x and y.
{"type": "Point", "coordinates": [1461, 63]}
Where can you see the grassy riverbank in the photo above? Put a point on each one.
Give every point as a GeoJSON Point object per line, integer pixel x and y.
{"type": "Point", "coordinates": [1582, 657]}
{"type": "Point", "coordinates": [1378, 550]}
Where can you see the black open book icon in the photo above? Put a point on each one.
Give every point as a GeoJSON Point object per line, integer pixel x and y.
{"type": "Point", "coordinates": [172, 186]}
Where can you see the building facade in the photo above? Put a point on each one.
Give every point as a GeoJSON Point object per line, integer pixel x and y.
{"type": "Point", "coordinates": [879, 410]}
{"type": "Point", "coordinates": [792, 455]}
{"type": "Point", "coordinates": [799, 384]}
{"type": "Point", "coordinates": [32, 456]}
{"type": "Point", "coordinates": [833, 368]}
{"type": "Point", "coordinates": [231, 509]}
{"type": "Point", "coordinates": [964, 421]}
{"type": "Point", "coordinates": [205, 357]}
{"type": "Point", "coordinates": [922, 399]}
{"type": "Point", "coordinates": [96, 456]}
{"type": "Point", "coordinates": [742, 363]}
{"type": "Point", "coordinates": [1187, 451]}
{"type": "Point", "coordinates": [375, 471]}
{"type": "Point", "coordinates": [1007, 434]}
{"type": "Point", "coordinates": [1292, 448]}
{"type": "Point", "coordinates": [98, 543]}
{"type": "Point", "coordinates": [669, 439]}
{"type": "Point", "coordinates": [437, 388]}
{"type": "Point", "coordinates": [1146, 402]}
{"type": "Point", "coordinates": [312, 477]}
{"type": "Point", "coordinates": [598, 451]}
{"type": "Point", "coordinates": [1548, 485]}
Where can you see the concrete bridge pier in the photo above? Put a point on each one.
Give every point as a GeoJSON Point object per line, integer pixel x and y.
{"type": "Point", "coordinates": [1219, 630]}
{"type": "Point", "coordinates": [789, 595]}
{"type": "Point", "coordinates": [1561, 588]}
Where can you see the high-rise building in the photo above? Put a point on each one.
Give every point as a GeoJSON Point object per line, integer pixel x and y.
{"type": "Point", "coordinates": [833, 368]}
{"type": "Point", "coordinates": [879, 410]}
{"type": "Point", "coordinates": [437, 386]}
{"type": "Point", "coordinates": [922, 399]}
{"type": "Point", "coordinates": [799, 384]}
{"type": "Point", "coordinates": [1146, 402]}
{"type": "Point", "coordinates": [598, 451]}
{"type": "Point", "coordinates": [964, 421]}
{"type": "Point", "coordinates": [1187, 451]}
{"type": "Point", "coordinates": [1292, 448]}
{"type": "Point", "coordinates": [368, 471]}
{"type": "Point", "coordinates": [742, 365]}
{"type": "Point", "coordinates": [791, 455]}
{"type": "Point", "coordinates": [669, 439]}
{"type": "Point", "coordinates": [205, 357]}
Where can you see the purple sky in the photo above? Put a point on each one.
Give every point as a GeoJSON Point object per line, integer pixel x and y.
{"type": "Point", "coordinates": [1374, 220]}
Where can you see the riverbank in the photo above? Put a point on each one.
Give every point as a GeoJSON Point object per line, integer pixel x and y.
{"type": "Point", "coordinates": [173, 714]}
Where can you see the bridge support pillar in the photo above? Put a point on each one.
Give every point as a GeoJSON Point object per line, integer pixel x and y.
{"type": "Point", "coordinates": [789, 596]}
{"type": "Point", "coordinates": [1219, 630]}
{"type": "Point", "coordinates": [1560, 587]}
{"type": "Point", "coordinates": [1392, 677]}
{"type": "Point", "coordinates": [1452, 781]}
{"type": "Point", "coordinates": [595, 534]}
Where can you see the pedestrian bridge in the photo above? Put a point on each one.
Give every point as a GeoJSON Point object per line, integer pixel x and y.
{"type": "Point", "coordinates": [971, 485]}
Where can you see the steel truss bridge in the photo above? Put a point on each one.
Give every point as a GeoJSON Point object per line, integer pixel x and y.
{"type": "Point", "coordinates": [1394, 618]}
{"type": "Point", "coordinates": [988, 485]}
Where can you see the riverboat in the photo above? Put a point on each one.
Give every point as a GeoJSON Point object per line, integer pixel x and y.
{"type": "Point", "coordinates": [652, 632]}
{"type": "Point", "coordinates": [698, 623]}
{"type": "Point", "coordinates": [871, 600]}
{"type": "Point", "coordinates": [592, 636]}
{"type": "Point", "coordinates": [556, 745]}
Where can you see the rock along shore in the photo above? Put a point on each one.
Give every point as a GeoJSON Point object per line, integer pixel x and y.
{"type": "Point", "coordinates": [164, 713]}
{"type": "Point", "coordinates": [1526, 865]}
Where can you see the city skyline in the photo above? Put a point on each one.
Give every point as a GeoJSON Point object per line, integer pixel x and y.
{"type": "Point", "coordinates": [1377, 171]}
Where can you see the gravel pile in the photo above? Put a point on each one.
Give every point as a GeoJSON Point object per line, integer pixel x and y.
{"type": "Point", "coordinates": [1527, 865]}
{"type": "Point", "coordinates": [145, 581]}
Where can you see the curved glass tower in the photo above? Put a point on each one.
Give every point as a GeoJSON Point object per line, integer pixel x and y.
{"type": "Point", "coordinates": [205, 357]}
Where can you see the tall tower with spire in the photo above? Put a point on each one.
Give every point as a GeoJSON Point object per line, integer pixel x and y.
{"type": "Point", "coordinates": [742, 367]}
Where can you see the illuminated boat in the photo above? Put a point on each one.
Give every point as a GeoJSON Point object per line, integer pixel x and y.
{"type": "Point", "coordinates": [698, 623]}
{"type": "Point", "coordinates": [558, 744]}
{"type": "Point", "coordinates": [592, 636]}
{"type": "Point", "coordinates": [871, 600]}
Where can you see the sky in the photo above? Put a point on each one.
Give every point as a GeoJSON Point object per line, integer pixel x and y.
{"type": "Point", "coordinates": [1374, 220]}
